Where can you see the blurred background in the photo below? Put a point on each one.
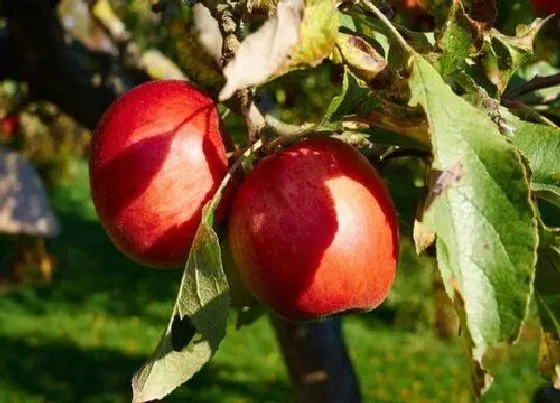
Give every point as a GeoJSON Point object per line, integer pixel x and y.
{"type": "Point", "coordinates": [77, 318]}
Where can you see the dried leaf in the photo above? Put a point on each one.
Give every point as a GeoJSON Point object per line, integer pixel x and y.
{"type": "Point", "coordinates": [266, 51]}
{"type": "Point", "coordinates": [361, 58]}
{"type": "Point", "coordinates": [300, 34]}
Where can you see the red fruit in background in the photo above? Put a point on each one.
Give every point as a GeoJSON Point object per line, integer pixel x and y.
{"type": "Point", "coordinates": [313, 231]}
{"type": "Point", "coordinates": [156, 159]}
{"type": "Point", "coordinates": [9, 125]}
{"type": "Point", "coordinates": [409, 7]}
{"type": "Point", "coordinates": [546, 7]}
{"type": "Point", "coordinates": [414, 12]}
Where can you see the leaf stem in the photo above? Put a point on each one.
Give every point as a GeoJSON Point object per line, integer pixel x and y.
{"type": "Point", "coordinates": [535, 84]}
{"type": "Point", "coordinates": [218, 195]}
{"type": "Point", "coordinates": [228, 17]}
{"type": "Point", "coordinates": [369, 6]}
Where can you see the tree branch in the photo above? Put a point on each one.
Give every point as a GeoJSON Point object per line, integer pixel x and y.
{"type": "Point", "coordinates": [535, 84]}
{"type": "Point", "coordinates": [317, 361]}
{"type": "Point", "coordinates": [228, 16]}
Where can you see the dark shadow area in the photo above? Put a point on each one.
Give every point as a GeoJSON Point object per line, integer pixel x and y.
{"type": "Point", "coordinates": [547, 394]}
{"type": "Point", "coordinates": [92, 275]}
{"type": "Point", "coordinates": [65, 373]}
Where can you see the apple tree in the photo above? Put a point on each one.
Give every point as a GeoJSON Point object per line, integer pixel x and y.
{"type": "Point", "coordinates": [468, 89]}
{"type": "Point", "coordinates": [447, 93]}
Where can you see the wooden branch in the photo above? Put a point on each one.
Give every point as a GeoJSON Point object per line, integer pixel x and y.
{"type": "Point", "coordinates": [535, 84]}
{"type": "Point", "coordinates": [317, 361]}
{"type": "Point", "coordinates": [134, 60]}
{"type": "Point", "coordinates": [228, 17]}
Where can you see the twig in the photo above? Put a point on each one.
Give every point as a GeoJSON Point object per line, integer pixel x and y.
{"type": "Point", "coordinates": [282, 129]}
{"type": "Point", "coordinates": [287, 134]}
{"type": "Point", "coordinates": [535, 84]}
{"type": "Point", "coordinates": [399, 152]}
{"type": "Point", "coordinates": [228, 16]}
{"type": "Point", "coordinates": [369, 7]}
{"type": "Point", "coordinates": [130, 53]}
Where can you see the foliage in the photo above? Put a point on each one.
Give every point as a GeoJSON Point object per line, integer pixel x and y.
{"type": "Point", "coordinates": [103, 314]}
{"type": "Point", "coordinates": [452, 82]}
{"type": "Point", "coordinates": [487, 166]}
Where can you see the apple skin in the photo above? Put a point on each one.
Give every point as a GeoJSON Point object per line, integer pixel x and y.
{"type": "Point", "coordinates": [156, 158]}
{"type": "Point", "coordinates": [9, 125]}
{"type": "Point", "coordinates": [409, 8]}
{"type": "Point", "coordinates": [314, 233]}
{"type": "Point", "coordinates": [546, 7]}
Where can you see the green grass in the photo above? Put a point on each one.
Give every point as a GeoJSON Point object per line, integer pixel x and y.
{"type": "Point", "coordinates": [82, 338]}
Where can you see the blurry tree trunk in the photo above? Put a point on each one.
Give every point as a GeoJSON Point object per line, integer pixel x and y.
{"type": "Point", "coordinates": [58, 69]}
{"type": "Point", "coordinates": [82, 82]}
{"type": "Point", "coordinates": [317, 361]}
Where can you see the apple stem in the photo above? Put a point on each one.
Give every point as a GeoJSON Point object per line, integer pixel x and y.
{"type": "Point", "coordinates": [396, 36]}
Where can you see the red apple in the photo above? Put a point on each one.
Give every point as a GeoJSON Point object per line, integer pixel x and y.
{"type": "Point", "coordinates": [9, 124]}
{"type": "Point", "coordinates": [156, 159]}
{"type": "Point", "coordinates": [313, 231]}
{"type": "Point", "coordinates": [546, 7]}
{"type": "Point", "coordinates": [416, 10]}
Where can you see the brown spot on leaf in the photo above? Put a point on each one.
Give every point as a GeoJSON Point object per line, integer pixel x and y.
{"type": "Point", "coordinates": [441, 181]}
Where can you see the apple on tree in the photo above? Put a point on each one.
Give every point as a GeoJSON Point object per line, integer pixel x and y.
{"type": "Point", "coordinates": [156, 158]}
{"type": "Point", "coordinates": [9, 125]}
{"type": "Point", "coordinates": [313, 231]}
{"type": "Point", "coordinates": [546, 7]}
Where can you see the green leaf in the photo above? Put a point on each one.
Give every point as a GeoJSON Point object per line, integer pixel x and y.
{"type": "Point", "coordinates": [364, 105]}
{"type": "Point", "coordinates": [541, 145]}
{"type": "Point", "coordinates": [199, 319]}
{"type": "Point", "coordinates": [547, 291]}
{"type": "Point", "coordinates": [503, 55]}
{"type": "Point", "coordinates": [481, 213]}
{"type": "Point", "coordinates": [319, 30]}
{"type": "Point", "coordinates": [337, 101]}
{"type": "Point", "coordinates": [347, 22]}
{"type": "Point", "coordinates": [461, 38]}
